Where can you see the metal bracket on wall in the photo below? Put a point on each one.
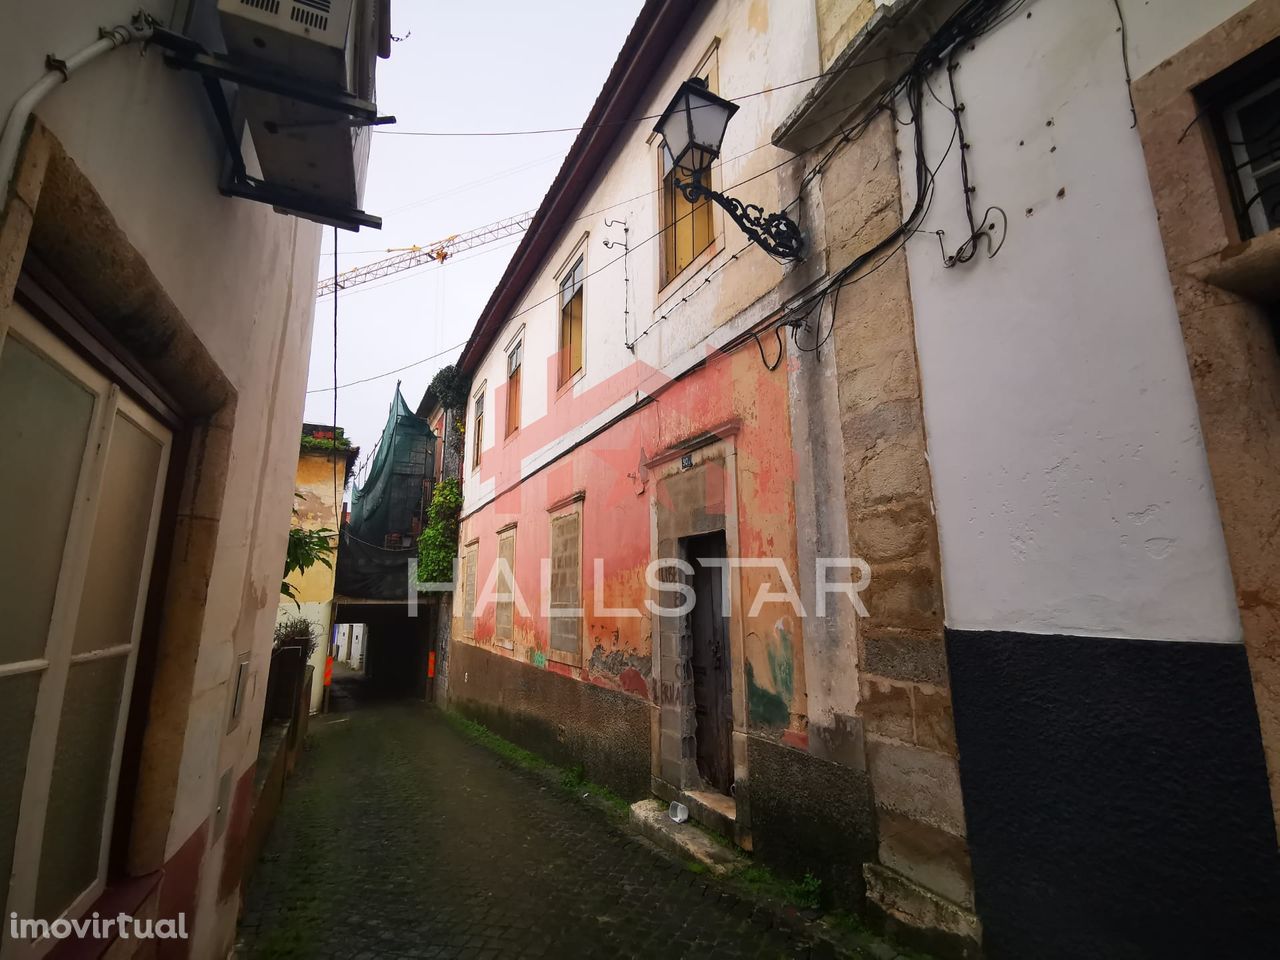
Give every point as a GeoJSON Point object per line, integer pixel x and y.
{"type": "Point", "coordinates": [183, 53]}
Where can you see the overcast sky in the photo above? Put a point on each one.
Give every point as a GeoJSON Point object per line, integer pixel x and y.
{"type": "Point", "coordinates": [482, 65]}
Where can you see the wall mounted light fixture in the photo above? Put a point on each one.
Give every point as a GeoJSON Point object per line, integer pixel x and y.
{"type": "Point", "coordinates": [692, 131]}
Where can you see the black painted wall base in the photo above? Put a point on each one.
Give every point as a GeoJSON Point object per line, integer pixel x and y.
{"type": "Point", "coordinates": [1116, 798]}
{"type": "Point", "coordinates": [810, 816]}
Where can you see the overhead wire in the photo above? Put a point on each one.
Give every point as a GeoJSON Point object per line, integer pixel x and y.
{"type": "Point", "coordinates": [337, 502]}
{"type": "Point", "coordinates": [973, 19]}
{"type": "Point", "coordinates": [721, 163]}
{"type": "Point", "coordinates": [641, 119]}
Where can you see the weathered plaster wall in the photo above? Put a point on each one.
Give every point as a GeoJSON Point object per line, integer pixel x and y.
{"type": "Point", "coordinates": [1078, 527]}
{"type": "Point", "coordinates": [320, 478]}
{"type": "Point", "coordinates": [610, 473]}
{"type": "Point", "coordinates": [135, 160]}
{"type": "Point", "coordinates": [1072, 488]}
{"type": "Point", "coordinates": [754, 45]}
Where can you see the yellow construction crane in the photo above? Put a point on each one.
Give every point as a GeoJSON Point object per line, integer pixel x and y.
{"type": "Point", "coordinates": [416, 256]}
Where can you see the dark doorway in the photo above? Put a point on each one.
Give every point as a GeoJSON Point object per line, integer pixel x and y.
{"type": "Point", "coordinates": [709, 660]}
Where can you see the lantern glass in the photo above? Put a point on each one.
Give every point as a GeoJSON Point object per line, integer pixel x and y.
{"type": "Point", "coordinates": [692, 127]}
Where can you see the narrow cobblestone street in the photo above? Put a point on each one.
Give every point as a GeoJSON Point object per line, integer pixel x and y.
{"type": "Point", "coordinates": [399, 837]}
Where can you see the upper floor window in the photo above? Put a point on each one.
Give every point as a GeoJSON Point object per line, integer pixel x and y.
{"type": "Point", "coordinates": [571, 322]}
{"type": "Point", "coordinates": [687, 229]}
{"type": "Point", "coordinates": [1251, 129]}
{"type": "Point", "coordinates": [477, 428]}
{"type": "Point", "coordinates": [514, 359]}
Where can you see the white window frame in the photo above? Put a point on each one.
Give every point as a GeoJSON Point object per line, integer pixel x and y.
{"type": "Point", "coordinates": [109, 400]}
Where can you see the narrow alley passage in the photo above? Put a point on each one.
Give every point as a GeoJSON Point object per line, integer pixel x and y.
{"type": "Point", "coordinates": [401, 838]}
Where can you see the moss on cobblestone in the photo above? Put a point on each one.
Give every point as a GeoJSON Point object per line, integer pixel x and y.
{"type": "Point", "coordinates": [573, 780]}
{"type": "Point", "coordinates": [487, 738]}
{"type": "Point", "coordinates": [407, 833]}
{"type": "Point", "coordinates": [759, 879]}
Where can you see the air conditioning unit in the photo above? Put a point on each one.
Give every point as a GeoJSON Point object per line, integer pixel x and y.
{"type": "Point", "coordinates": [330, 45]}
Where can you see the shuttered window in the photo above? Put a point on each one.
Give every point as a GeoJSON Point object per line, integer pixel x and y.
{"type": "Point", "coordinates": [469, 591]}
{"type": "Point", "coordinates": [566, 586]}
{"type": "Point", "coordinates": [515, 359]}
{"type": "Point", "coordinates": [478, 429]}
{"type": "Point", "coordinates": [505, 613]}
{"type": "Point", "coordinates": [571, 322]}
{"type": "Point", "coordinates": [687, 229]}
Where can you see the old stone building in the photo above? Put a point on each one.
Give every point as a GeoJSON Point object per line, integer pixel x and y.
{"type": "Point", "coordinates": [1024, 371]}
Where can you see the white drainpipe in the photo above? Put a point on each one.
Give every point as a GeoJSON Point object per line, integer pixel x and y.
{"type": "Point", "coordinates": [11, 138]}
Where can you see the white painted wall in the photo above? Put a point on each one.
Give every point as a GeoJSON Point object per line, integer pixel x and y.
{"type": "Point", "coordinates": [1071, 485]}
{"type": "Point", "coordinates": [762, 44]}
{"type": "Point", "coordinates": [1160, 28]}
{"type": "Point", "coordinates": [243, 278]}
{"type": "Point", "coordinates": [350, 643]}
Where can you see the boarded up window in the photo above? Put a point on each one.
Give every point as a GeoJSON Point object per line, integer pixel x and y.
{"type": "Point", "coordinates": [469, 592]}
{"type": "Point", "coordinates": [505, 587]}
{"type": "Point", "coordinates": [566, 583]}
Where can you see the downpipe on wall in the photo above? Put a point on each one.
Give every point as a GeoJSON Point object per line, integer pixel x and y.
{"type": "Point", "coordinates": [59, 71]}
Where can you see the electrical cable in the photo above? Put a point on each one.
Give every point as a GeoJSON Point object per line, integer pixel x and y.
{"type": "Point", "coordinates": [972, 20]}
{"type": "Point", "coordinates": [642, 119]}
{"type": "Point", "coordinates": [1124, 53]}
{"type": "Point", "coordinates": [337, 503]}
{"type": "Point", "coordinates": [408, 366]}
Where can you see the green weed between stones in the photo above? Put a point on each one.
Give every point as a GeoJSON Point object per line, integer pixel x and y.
{"type": "Point", "coordinates": [572, 780]}
{"type": "Point", "coordinates": [759, 879]}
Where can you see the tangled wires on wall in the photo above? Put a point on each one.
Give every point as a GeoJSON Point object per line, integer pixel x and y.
{"type": "Point", "coordinates": [971, 21]}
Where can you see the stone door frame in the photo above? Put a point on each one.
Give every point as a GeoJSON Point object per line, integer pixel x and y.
{"type": "Point", "coordinates": [674, 769]}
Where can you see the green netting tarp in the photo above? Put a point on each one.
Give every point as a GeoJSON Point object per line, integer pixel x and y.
{"type": "Point", "coordinates": [381, 537]}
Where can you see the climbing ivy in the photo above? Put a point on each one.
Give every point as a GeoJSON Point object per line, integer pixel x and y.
{"type": "Point", "coordinates": [451, 385]}
{"type": "Point", "coordinates": [438, 543]}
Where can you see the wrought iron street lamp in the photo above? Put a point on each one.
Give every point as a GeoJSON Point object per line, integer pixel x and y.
{"type": "Point", "coordinates": [692, 130]}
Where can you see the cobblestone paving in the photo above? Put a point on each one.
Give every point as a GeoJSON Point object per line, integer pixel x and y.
{"type": "Point", "coordinates": [401, 838]}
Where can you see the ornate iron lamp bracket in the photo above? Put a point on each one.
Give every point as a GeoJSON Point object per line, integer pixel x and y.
{"type": "Point", "coordinates": [775, 232]}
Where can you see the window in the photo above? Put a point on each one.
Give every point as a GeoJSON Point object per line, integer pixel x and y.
{"type": "Point", "coordinates": [514, 358]}
{"type": "Point", "coordinates": [1251, 128]}
{"type": "Point", "coordinates": [687, 228]}
{"type": "Point", "coordinates": [477, 428]}
{"type": "Point", "coordinates": [571, 322]}
{"type": "Point", "coordinates": [566, 587]}
{"type": "Point", "coordinates": [469, 590]}
{"type": "Point", "coordinates": [504, 623]}
{"type": "Point", "coordinates": [81, 529]}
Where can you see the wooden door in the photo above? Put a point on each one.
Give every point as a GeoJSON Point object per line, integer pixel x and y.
{"type": "Point", "coordinates": [709, 660]}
